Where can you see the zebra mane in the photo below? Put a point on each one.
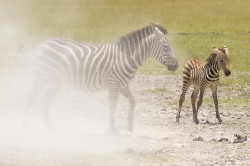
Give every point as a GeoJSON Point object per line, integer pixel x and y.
{"type": "Point", "coordinates": [137, 35]}
{"type": "Point", "coordinates": [211, 57]}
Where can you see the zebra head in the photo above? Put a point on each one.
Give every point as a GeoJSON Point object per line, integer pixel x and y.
{"type": "Point", "coordinates": [223, 59]}
{"type": "Point", "coordinates": [162, 50]}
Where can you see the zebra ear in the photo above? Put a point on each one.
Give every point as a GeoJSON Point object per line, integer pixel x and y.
{"type": "Point", "coordinates": [215, 50]}
{"type": "Point", "coordinates": [160, 28]}
{"type": "Point", "coordinates": [225, 50]}
{"type": "Point", "coordinates": [157, 32]}
{"type": "Point", "coordinates": [155, 25]}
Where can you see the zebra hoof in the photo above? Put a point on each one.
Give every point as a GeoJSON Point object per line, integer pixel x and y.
{"type": "Point", "coordinates": [130, 128]}
{"type": "Point", "coordinates": [221, 121]}
{"type": "Point", "coordinates": [52, 130]}
{"type": "Point", "coordinates": [177, 119]}
{"type": "Point", "coordinates": [24, 128]}
{"type": "Point", "coordinates": [196, 121]}
{"type": "Point", "coordinates": [112, 131]}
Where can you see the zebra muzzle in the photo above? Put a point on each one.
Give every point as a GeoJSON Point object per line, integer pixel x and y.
{"type": "Point", "coordinates": [172, 67]}
{"type": "Point", "coordinates": [227, 72]}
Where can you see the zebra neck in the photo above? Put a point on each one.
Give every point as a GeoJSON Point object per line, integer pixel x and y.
{"type": "Point", "coordinates": [212, 65]}
{"type": "Point", "coordinates": [136, 54]}
{"type": "Point", "coordinates": [213, 69]}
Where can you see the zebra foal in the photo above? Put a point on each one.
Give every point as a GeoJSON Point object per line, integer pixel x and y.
{"type": "Point", "coordinates": [203, 75]}
{"type": "Point", "coordinates": [92, 67]}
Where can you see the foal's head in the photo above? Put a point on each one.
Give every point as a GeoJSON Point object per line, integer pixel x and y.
{"type": "Point", "coordinates": [223, 59]}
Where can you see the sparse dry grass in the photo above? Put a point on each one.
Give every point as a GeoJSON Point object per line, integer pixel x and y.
{"type": "Point", "coordinates": [195, 26]}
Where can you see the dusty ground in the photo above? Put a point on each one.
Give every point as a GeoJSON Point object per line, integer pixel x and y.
{"type": "Point", "coordinates": [81, 120]}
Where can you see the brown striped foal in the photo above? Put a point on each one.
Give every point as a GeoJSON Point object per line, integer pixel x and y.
{"type": "Point", "coordinates": [203, 75]}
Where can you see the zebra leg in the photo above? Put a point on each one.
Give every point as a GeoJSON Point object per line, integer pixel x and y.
{"type": "Point", "coordinates": [127, 93]}
{"type": "Point", "coordinates": [193, 98]}
{"type": "Point", "coordinates": [49, 94]}
{"type": "Point", "coordinates": [185, 87]}
{"type": "Point", "coordinates": [113, 97]}
{"type": "Point", "coordinates": [214, 93]}
{"type": "Point", "coordinates": [35, 91]}
{"type": "Point", "coordinates": [202, 90]}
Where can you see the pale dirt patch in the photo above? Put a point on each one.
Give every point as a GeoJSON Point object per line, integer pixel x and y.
{"type": "Point", "coordinates": [81, 120]}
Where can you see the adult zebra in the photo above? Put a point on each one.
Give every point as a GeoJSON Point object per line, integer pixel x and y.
{"type": "Point", "coordinates": [94, 67]}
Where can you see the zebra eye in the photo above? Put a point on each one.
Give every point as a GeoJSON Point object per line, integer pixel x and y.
{"type": "Point", "coordinates": [221, 60]}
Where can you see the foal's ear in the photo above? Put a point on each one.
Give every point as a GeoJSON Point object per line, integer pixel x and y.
{"type": "Point", "coordinates": [225, 50]}
{"type": "Point", "coordinates": [215, 50]}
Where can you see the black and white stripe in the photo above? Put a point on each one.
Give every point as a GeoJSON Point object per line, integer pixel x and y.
{"type": "Point", "coordinates": [203, 75]}
{"type": "Point", "coordinates": [90, 67]}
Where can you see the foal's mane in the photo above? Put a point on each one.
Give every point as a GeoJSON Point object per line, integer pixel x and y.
{"type": "Point", "coordinates": [139, 34]}
{"type": "Point", "coordinates": [211, 57]}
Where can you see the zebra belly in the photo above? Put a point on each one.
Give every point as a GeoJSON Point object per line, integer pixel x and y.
{"type": "Point", "coordinates": [93, 82]}
{"type": "Point", "coordinates": [93, 75]}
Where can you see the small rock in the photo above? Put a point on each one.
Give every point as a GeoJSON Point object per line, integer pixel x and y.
{"type": "Point", "coordinates": [226, 114]}
{"type": "Point", "coordinates": [232, 162]}
{"type": "Point", "coordinates": [207, 122]}
{"type": "Point", "coordinates": [223, 140]}
{"type": "Point", "coordinates": [239, 138]}
{"type": "Point", "coordinates": [214, 140]}
{"type": "Point", "coordinates": [163, 109]}
{"type": "Point", "coordinates": [198, 139]}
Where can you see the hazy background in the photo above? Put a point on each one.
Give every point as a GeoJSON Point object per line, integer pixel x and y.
{"type": "Point", "coordinates": [194, 26]}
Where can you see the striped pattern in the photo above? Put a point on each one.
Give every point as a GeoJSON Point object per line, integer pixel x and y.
{"type": "Point", "coordinates": [90, 67]}
{"type": "Point", "coordinates": [203, 75]}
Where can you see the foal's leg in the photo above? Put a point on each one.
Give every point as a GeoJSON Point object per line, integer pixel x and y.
{"type": "Point", "coordinates": [186, 85]}
{"type": "Point", "coordinates": [127, 93]}
{"type": "Point", "coordinates": [193, 98]}
{"type": "Point", "coordinates": [214, 93]}
{"type": "Point", "coordinates": [202, 90]}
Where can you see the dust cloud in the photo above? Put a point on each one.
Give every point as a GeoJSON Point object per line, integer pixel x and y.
{"type": "Point", "coordinates": [80, 118]}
